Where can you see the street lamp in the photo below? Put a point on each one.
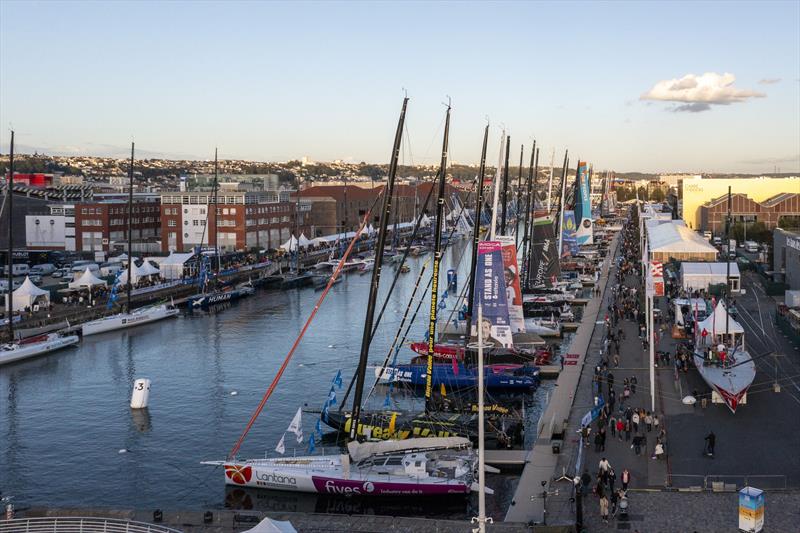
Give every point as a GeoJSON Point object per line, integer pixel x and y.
{"type": "Point", "coordinates": [544, 494]}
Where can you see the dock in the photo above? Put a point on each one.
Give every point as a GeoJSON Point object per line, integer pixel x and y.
{"type": "Point", "coordinates": [554, 433]}
{"type": "Point", "coordinates": [549, 371]}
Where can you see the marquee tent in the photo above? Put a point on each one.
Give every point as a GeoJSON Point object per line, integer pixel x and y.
{"type": "Point", "coordinates": [674, 240]}
{"type": "Point", "coordinates": [86, 281]}
{"type": "Point", "coordinates": [28, 294]}
{"type": "Point", "coordinates": [172, 266]}
{"type": "Point", "coordinates": [719, 322]}
{"type": "Point", "coordinates": [696, 276]}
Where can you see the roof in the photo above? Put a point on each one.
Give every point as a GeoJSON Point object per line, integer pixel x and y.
{"type": "Point", "coordinates": [674, 236]}
{"type": "Point", "coordinates": [709, 269]}
{"type": "Point", "coordinates": [716, 322]}
{"type": "Point", "coordinates": [778, 198]}
{"type": "Point", "coordinates": [176, 259]}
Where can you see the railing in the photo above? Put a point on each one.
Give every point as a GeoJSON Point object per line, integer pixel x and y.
{"type": "Point", "coordinates": [80, 525]}
{"type": "Point", "coordinates": [729, 481]}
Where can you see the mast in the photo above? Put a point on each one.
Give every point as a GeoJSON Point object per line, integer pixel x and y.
{"type": "Point", "coordinates": [526, 264]}
{"type": "Point", "coordinates": [129, 285]}
{"type": "Point", "coordinates": [437, 259]}
{"type": "Point", "coordinates": [216, 212]}
{"type": "Point", "coordinates": [376, 274]}
{"type": "Point", "coordinates": [561, 204]}
{"type": "Point", "coordinates": [550, 185]}
{"type": "Point", "coordinates": [9, 206]}
{"type": "Point", "coordinates": [496, 188]}
{"type": "Point", "coordinates": [532, 221]}
{"type": "Point", "coordinates": [476, 232]}
{"type": "Point", "coordinates": [505, 189]}
{"type": "Point", "coordinates": [519, 194]}
{"type": "Point", "coordinates": [728, 266]}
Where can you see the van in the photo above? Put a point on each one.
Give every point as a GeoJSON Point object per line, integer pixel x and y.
{"type": "Point", "coordinates": [78, 270]}
{"type": "Point", "coordinates": [708, 235]}
{"type": "Point", "coordinates": [45, 269]}
{"type": "Point", "coordinates": [751, 246]}
{"type": "Point", "coordinates": [17, 269]}
{"type": "Point", "coordinates": [717, 241]}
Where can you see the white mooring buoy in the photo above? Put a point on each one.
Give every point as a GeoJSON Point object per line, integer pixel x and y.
{"type": "Point", "coordinates": [141, 393]}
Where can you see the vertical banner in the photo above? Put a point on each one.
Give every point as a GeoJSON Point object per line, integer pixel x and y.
{"type": "Point", "coordinates": [511, 279]}
{"type": "Point", "coordinates": [545, 266]}
{"type": "Point", "coordinates": [490, 292]}
{"type": "Point", "coordinates": [583, 206]}
{"type": "Point", "coordinates": [655, 279]}
{"type": "Point", "coordinates": [568, 236]}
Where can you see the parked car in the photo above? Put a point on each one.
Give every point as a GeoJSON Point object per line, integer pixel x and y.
{"type": "Point", "coordinates": [61, 272]}
{"type": "Point", "coordinates": [44, 269]}
{"type": "Point", "coordinates": [35, 278]}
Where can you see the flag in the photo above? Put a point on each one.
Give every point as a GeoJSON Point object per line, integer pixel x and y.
{"type": "Point", "coordinates": [311, 444]}
{"type": "Point", "coordinates": [338, 379]}
{"type": "Point", "coordinates": [443, 390]}
{"type": "Point", "coordinates": [325, 411]}
{"type": "Point", "coordinates": [280, 448]}
{"type": "Point", "coordinates": [332, 396]}
{"type": "Point", "coordinates": [318, 427]}
{"type": "Point", "coordinates": [386, 402]}
{"type": "Point", "coordinates": [296, 426]}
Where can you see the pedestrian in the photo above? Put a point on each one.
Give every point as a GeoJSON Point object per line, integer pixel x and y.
{"type": "Point", "coordinates": [614, 502]}
{"type": "Point", "coordinates": [612, 423]}
{"type": "Point", "coordinates": [633, 383]}
{"type": "Point", "coordinates": [648, 421]}
{"type": "Point", "coordinates": [612, 399]}
{"type": "Point", "coordinates": [586, 480]}
{"type": "Point", "coordinates": [627, 430]}
{"type": "Point", "coordinates": [602, 434]}
{"type": "Point", "coordinates": [610, 381]}
{"type": "Point", "coordinates": [711, 440]}
{"type": "Point", "coordinates": [611, 478]}
{"type": "Point", "coordinates": [598, 439]}
{"type": "Point", "coordinates": [635, 421]}
{"type": "Point", "coordinates": [604, 508]}
{"type": "Point", "coordinates": [626, 478]}
{"type": "Point", "coordinates": [603, 466]}
{"type": "Point", "coordinates": [620, 428]}
{"type": "Point", "coordinates": [659, 450]}
{"type": "Point", "coordinates": [655, 421]}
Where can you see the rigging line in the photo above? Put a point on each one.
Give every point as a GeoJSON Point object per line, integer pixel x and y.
{"type": "Point", "coordinates": [281, 370]}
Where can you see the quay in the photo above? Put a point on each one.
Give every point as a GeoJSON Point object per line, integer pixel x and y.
{"type": "Point", "coordinates": [555, 430]}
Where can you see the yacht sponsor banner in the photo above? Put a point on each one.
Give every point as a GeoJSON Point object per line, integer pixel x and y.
{"type": "Point", "coordinates": [511, 278]}
{"type": "Point", "coordinates": [347, 487]}
{"type": "Point", "coordinates": [568, 236]}
{"type": "Point", "coordinates": [490, 292]}
{"type": "Point", "coordinates": [546, 267]}
{"type": "Point", "coordinates": [583, 205]}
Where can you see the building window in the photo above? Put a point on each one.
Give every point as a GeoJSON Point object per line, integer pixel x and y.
{"type": "Point", "coordinates": [171, 223]}
{"type": "Point", "coordinates": [185, 222]}
{"type": "Point", "coordinates": [195, 222]}
{"type": "Point", "coordinates": [83, 211]}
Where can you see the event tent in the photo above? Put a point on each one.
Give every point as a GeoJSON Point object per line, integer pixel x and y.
{"type": "Point", "coordinates": [172, 266]}
{"type": "Point", "coordinates": [290, 245]}
{"type": "Point", "coordinates": [268, 525]}
{"type": "Point", "coordinates": [673, 240]}
{"type": "Point", "coordinates": [716, 324]}
{"type": "Point", "coordinates": [696, 276]}
{"type": "Point", "coordinates": [28, 294]}
{"type": "Point", "coordinates": [304, 242]}
{"type": "Point", "coordinates": [86, 281]}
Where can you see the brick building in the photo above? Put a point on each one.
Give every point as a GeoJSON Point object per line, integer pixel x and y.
{"type": "Point", "coordinates": [244, 220]}
{"type": "Point", "coordinates": [744, 208]}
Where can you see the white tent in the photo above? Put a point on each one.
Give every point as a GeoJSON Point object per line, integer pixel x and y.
{"type": "Point", "coordinates": [28, 294]}
{"type": "Point", "coordinates": [290, 245]}
{"type": "Point", "coordinates": [304, 242]}
{"type": "Point", "coordinates": [715, 324]}
{"type": "Point", "coordinates": [86, 281]}
{"type": "Point", "coordinates": [672, 239]}
{"type": "Point", "coordinates": [172, 266]}
{"type": "Point", "coordinates": [696, 276]}
{"type": "Point", "coordinates": [148, 269]}
{"type": "Point", "coordinates": [269, 525]}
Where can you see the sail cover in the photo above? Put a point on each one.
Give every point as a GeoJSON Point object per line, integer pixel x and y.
{"type": "Point", "coordinates": [361, 450]}
{"type": "Point", "coordinates": [545, 265]}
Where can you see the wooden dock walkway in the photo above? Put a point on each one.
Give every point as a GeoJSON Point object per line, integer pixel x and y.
{"type": "Point", "coordinates": [553, 430]}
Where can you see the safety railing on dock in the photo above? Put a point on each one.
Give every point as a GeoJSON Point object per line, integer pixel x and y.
{"type": "Point", "coordinates": [730, 482]}
{"type": "Point", "coordinates": [80, 525]}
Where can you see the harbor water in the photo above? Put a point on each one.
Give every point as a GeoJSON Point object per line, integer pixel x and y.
{"type": "Point", "coordinates": [68, 436]}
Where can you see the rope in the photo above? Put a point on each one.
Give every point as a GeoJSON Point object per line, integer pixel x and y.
{"type": "Point", "coordinates": [281, 370]}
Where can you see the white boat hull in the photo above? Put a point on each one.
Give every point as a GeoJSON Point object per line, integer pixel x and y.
{"type": "Point", "coordinates": [11, 353]}
{"type": "Point", "coordinates": [127, 320]}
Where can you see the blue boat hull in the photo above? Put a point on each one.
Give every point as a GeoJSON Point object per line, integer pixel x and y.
{"type": "Point", "coordinates": [524, 377]}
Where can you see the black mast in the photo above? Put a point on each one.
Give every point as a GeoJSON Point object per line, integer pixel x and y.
{"type": "Point", "coordinates": [9, 206]}
{"type": "Point", "coordinates": [525, 239]}
{"type": "Point", "coordinates": [216, 213]}
{"type": "Point", "coordinates": [532, 242]}
{"type": "Point", "coordinates": [437, 259]}
{"type": "Point", "coordinates": [376, 274]}
{"type": "Point", "coordinates": [728, 266]}
{"type": "Point", "coordinates": [476, 233]}
{"type": "Point", "coordinates": [129, 285]}
{"type": "Point", "coordinates": [505, 189]}
{"type": "Point", "coordinates": [519, 194]}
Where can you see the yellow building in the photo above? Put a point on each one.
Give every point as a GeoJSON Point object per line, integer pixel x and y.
{"type": "Point", "coordinates": [697, 191]}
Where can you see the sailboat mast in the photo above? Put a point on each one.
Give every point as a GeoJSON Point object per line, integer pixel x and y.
{"type": "Point", "coordinates": [9, 207]}
{"type": "Point", "coordinates": [130, 230]}
{"type": "Point", "coordinates": [437, 259]}
{"type": "Point", "coordinates": [519, 194]}
{"type": "Point", "coordinates": [476, 231]}
{"type": "Point", "coordinates": [505, 189]}
{"type": "Point", "coordinates": [530, 250]}
{"type": "Point", "coordinates": [216, 210]}
{"type": "Point", "coordinates": [561, 204]}
{"type": "Point", "coordinates": [388, 192]}
{"type": "Point", "coordinates": [550, 184]}
{"type": "Point", "coordinates": [496, 187]}
{"type": "Point", "coordinates": [526, 264]}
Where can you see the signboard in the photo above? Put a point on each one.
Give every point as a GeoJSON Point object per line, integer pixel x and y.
{"type": "Point", "coordinates": [490, 292]}
{"type": "Point", "coordinates": [583, 205]}
{"type": "Point", "coordinates": [511, 278]}
{"type": "Point", "coordinates": [655, 279]}
{"type": "Point", "coordinates": [568, 237]}
{"type": "Point", "coordinates": [751, 509]}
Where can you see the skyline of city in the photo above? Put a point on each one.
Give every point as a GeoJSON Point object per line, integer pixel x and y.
{"type": "Point", "coordinates": [325, 81]}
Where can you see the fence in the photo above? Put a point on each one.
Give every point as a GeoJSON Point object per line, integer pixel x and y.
{"type": "Point", "coordinates": [79, 525]}
{"type": "Point", "coordinates": [729, 482]}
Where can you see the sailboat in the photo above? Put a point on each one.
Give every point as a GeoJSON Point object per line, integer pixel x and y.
{"type": "Point", "coordinates": [419, 466]}
{"type": "Point", "coordinates": [129, 318]}
{"type": "Point", "coordinates": [34, 346]}
{"type": "Point", "coordinates": [720, 354]}
{"type": "Point", "coordinates": [222, 294]}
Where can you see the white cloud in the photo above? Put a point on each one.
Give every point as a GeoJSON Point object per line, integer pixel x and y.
{"type": "Point", "coordinates": [699, 93]}
{"type": "Point", "coordinates": [769, 81]}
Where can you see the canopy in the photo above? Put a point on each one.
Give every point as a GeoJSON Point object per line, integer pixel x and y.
{"type": "Point", "coordinates": [290, 245]}
{"type": "Point", "coordinates": [716, 322]}
{"type": "Point", "coordinates": [701, 275]}
{"type": "Point", "coordinates": [172, 266]}
{"type": "Point", "coordinates": [87, 280]}
{"type": "Point", "coordinates": [269, 525]}
{"type": "Point", "coordinates": [28, 294]}
{"type": "Point", "coordinates": [148, 269]}
{"type": "Point", "coordinates": [672, 238]}
{"type": "Point", "coordinates": [304, 242]}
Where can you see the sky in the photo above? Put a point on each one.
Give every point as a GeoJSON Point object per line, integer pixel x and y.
{"type": "Point", "coordinates": [629, 86]}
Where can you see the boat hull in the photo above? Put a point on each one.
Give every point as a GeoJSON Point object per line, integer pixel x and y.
{"type": "Point", "coordinates": [29, 351]}
{"type": "Point", "coordinates": [513, 377]}
{"type": "Point", "coordinates": [730, 384]}
{"type": "Point", "coordinates": [128, 320]}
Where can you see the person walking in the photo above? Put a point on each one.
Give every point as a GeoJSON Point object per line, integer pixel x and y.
{"type": "Point", "coordinates": [620, 428]}
{"type": "Point", "coordinates": [625, 479]}
{"type": "Point", "coordinates": [598, 440]}
{"type": "Point", "coordinates": [648, 421]}
{"type": "Point", "coordinates": [603, 466]}
{"type": "Point", "coordinates": [655, 421]}
{"type": "Point", "coordinates": [611, 478]}
{"type": "Point", "coordinates": [627, 430]}
{"type": "Point", "coordinates": [711, 440]}
{"type": "Point", "coordinates": [633, 383]}
{"type": "Point", "coordinates": [604, 508]}
{"type": "Point", "coordinates": [635, 421]}
{"type": "Point", "coordinates": [586, 480]}
{"type": "Point", "coordinates": [612, 423]}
